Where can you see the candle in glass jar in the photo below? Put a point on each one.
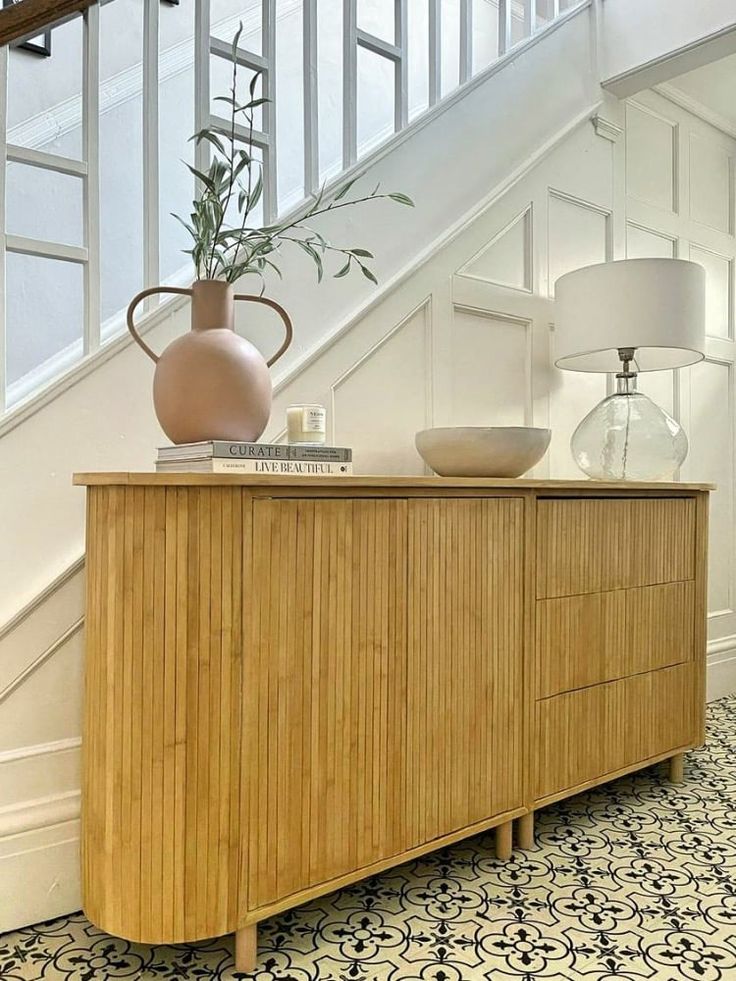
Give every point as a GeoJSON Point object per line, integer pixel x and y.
{"type": "Point", "coordinates": [306, 423]}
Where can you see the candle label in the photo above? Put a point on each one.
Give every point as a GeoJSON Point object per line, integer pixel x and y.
{"type": "Point", "coordinates": [314, 419]}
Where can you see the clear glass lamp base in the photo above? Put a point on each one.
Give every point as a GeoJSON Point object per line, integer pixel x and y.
{"type": "Point", "coordinates": [628, 437]}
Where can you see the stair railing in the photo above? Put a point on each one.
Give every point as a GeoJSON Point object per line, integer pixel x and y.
{"type": "Point", "coordinates": [517, 20]}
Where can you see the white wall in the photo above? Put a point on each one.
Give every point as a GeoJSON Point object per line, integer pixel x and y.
{"type": "Point", "coordinates": [636, 32]}
{"type": "Point", "coordinates": [680, 202]}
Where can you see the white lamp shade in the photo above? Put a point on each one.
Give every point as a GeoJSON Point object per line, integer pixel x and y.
{"type": "Point", "coordinates": [654, 305]}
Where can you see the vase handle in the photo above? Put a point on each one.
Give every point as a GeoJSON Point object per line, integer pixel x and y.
{"type": "Point", "coordinates": [134, 303]}
{"type": "Point", "coordinates": [282, 313]}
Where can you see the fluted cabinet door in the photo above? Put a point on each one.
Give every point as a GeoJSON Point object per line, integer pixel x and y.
{"type": "Point", "coordinates": [161, 790]}
{"type": "Point", "coordinates": [590, 545]}
{"type": "Point", "coordinates": [325, 689]}
{"type": "Point", "coordinates": [464, 677]}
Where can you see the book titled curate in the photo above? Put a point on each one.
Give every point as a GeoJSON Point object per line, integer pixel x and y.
{"type": "Point", "coordinates": [225, 450]}
{"type": "Point", "coordinates": [300, 468]}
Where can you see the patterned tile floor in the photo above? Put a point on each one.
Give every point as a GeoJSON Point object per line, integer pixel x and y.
{"type": "Point", "coordinates": [633, 880]}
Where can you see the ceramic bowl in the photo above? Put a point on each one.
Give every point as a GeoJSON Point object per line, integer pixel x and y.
{"type": "Point", "coordinates": [478, 451]}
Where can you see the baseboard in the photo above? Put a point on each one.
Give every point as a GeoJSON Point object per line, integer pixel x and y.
{"type": "Point", "coordinates": [34, 773]}
{"type": "Point", "coordinates": [721, 673]}
{"type": "Point", "coordinates": [39, 870]}
{"type": "Point", "coordinates": [39, 833]}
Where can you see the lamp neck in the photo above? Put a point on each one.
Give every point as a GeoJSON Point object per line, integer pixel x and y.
{"type": "Point", "coordinates": [626, 378]}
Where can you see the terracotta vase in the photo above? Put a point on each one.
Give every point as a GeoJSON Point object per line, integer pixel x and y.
{"type": "Point", "coordinates": [211, 383]}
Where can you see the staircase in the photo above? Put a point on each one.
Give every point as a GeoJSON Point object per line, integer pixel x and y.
{"type": "Point", "coordinates": [516, 159]}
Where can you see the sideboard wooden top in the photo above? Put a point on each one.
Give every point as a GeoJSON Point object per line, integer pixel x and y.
{"type": "Point", "coordinates": [368, 483]}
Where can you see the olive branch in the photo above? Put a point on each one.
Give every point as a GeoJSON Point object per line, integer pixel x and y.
{"type": "Point", "coordinates": [235, 176]}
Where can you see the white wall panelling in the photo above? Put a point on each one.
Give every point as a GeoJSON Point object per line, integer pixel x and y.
{"type": "Point", "coordinates": [700, 227]}
{"type": "Point", "coordinates": [643, 243]}
{"type": "Point", "coordinates": [371, 395]}
{"type": "Point", "coordinates": [508, 259]}
{"type": "Point", "coordinates": [718, 290]}
{"type": "Point", "coordinates": [490, 368]}
{"type": "Point", "coordinates": [711, 183]}
{"type": "Point", "coordinates": [40, 779]}
{"type": "Point", "coordinates": [651, 158]}
{"type": "Point", "coordinates": [579, 232]}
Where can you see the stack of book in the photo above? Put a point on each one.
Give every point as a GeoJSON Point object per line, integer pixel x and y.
{"type": "Point", "coordinates": [221, 456]}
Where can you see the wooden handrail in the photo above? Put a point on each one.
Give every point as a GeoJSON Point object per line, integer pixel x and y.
{"type": "Point", "coordinates": [29, 17]}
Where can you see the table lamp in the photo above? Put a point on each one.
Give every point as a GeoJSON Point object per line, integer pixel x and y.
{"type": "Point", "coordinates": [624, 317]}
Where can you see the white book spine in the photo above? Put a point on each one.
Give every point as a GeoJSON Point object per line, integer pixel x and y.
{"type": "Point", "coordinates": [302, 468]}
{"type": "Point", "coordinates": [298, 467]}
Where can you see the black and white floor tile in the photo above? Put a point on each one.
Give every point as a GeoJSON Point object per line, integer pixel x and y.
{"type": "Point", "coordinates": [633, 880]}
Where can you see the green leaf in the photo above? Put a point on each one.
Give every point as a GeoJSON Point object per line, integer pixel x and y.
{"type": "Point", "coordinates": [346, 187]}
{"type": "Point", "coordinates": [255, 194]}
{"type": "Point", "coordinates": [236, 40]}
{"type": "Point", "coordinates": [320, 239]}
{"type": "Point", "coordinates": [368, 274]}
{"type": "Point", "coordinates": [240, 166]}
{"type": "Point", "coordinates": [210, 136]}
{"type": "Point", "coordinates": [233, 176]}
{"type": "Point", "coordinates": [203, 178]}
{"type": "Point", "coordinates": [253, 83]}
{"type": "Point", "coordinates": [400, 198]}
{"type": "Point", "coordinates": [253, 104]}
{"type": "Point", "coordinates": [314, 256]}
{"type": "Point", "coordinates": [185, 224]}
{"type": "Point", "coordinates": [273, 266]}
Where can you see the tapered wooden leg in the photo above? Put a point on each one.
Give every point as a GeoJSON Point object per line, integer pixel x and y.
{"type": "Point", "coordinates": [526, 830]}
{"type": "Point", "coordinates": [677, 768]}
{"type": "Point", "coordinates": [504, 833]}
{"type": "Point", "coordinates": [246, 949]}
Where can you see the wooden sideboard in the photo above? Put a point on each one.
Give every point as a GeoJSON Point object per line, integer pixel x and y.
{"type": "Point", "coordinates": [295, 683]}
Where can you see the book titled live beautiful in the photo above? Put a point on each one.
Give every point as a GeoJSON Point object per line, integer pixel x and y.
{"type": "Point", "coordinates": [303, 468]}
{"type": "Point", "coordinates": [251, 452]}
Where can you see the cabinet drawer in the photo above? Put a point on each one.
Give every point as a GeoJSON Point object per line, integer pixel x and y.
{"type": "Point", "coordinates": [583, 735]}
{"type": "Point", "coordinates": [596, 637]}
{"type": "Point", "coordinates": [591, 545]}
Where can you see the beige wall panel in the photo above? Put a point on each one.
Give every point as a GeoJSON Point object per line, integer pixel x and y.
{"type": "Point", "coordinates": [718, 277]}
{"type": "Point", "coordinates": [643, 243]}
{"type": "Point", "coordinates": [383, 400]}
{"type": "Point", "coordinates": [650, 158]}
{"type": "Point", "coordinates": [710, 385]}
{"type": "Point", "coordinates": [507, 260]}
{"type": "Point", "coordinates": [488, 390]}
{"type": "Point", "coordinates": [577, 236]}
{"type": "Point", "coordinates": [710, 183]}
{"type": "Point", "coordinates": [35, 708]}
